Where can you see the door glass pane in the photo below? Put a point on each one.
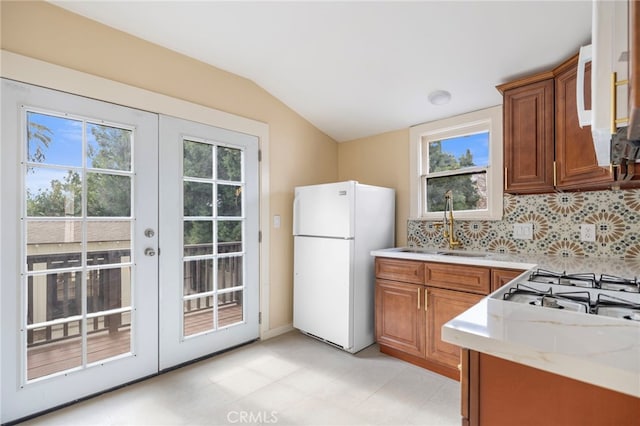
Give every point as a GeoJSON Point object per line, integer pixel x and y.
{"type": "Point", "coordinates": [108, 336]}
{"type": "Point", "coordinates": [229, 164]}
{"type": "Point", "coordinates": [229, 200]}
{"type": "Point", "coordinates": [108, 289]}
{"type": "Point", "coordinates": [198, 237]}
{"type": "Point", "coordinates": [198, 160]}
{"type": "Point", "coordinates": [229, 236]}
{"type": "Point", "coordinates": [230, 308]}
{"type": "Point", "coordinates": [229, 272]}
{"type": "Point", "coordinates": [198, 315]}
{"type": "Point", "coordinates": [53, 192]}
{"type": "Point", "coordinates": [108, 147]}
{"type": "Point", "coordinates": [54, 348]}
{"type": "Point", "coordinates": [53, 245]}
{"type": "Point", "coordinates": [198, 199]}
{"type": "Point", "coordinates": [198, 276]}
{"type": "Point", "coordinates": [54, 140]}
{"type": "Point", "coordinates": [108, 242]}
{"type": "Point", "coordinates": [57, 320]}
{"type": "Point", "coordinates": [108, 195]}
{"type": "Point", "coordinates": [53, 296]}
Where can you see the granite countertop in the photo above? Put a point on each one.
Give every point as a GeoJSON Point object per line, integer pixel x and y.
{"type": "Point", "coordinates": [594, 349]}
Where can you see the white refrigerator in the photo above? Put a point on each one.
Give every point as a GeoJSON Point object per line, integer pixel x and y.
{"type": "Point", "coordinates": [335, 227]}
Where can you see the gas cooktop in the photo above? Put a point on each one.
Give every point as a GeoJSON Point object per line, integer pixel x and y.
{"type": "Point", "coordinates": [586, 293]}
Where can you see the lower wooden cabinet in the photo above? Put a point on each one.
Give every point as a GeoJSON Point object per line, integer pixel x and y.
{"type": "Point", "coordinates": [414, 299]}
{"type": "Point", "coordinates": [400, 316]}
{"type": "Point", "coordinates": [443, 306]}
{"type": "Point", "coordinates": [497, 392]}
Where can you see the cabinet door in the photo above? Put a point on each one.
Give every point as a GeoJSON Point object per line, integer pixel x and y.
{"type": "Point", "coordinates": [400, 316]}
{"type": "Point", "coordinates": [576, 163]}
{"type": "Point", "coordinates": [528, 138]}
{"type": "Point", "coordinates": [500, 277]}
{"type": "Point", "coordinates": [443, 306]}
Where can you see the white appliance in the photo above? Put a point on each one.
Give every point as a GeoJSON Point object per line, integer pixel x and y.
{"type": "Point", "coordinates": [335, 227]}
{"type": "Point", "coordinates": [608, 53]}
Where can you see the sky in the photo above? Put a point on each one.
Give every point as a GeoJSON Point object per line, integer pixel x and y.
{"type": "Point", "coordinates": [477, 143]}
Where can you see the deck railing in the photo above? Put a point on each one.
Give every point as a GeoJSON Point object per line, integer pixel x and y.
{"type": "Point", "coordinates": [105, 291]}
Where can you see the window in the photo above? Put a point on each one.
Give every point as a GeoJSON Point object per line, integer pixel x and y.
{"type": "Point", "coordinates": [462, 154]}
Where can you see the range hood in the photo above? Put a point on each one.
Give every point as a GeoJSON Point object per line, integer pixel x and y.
{"type": "Point", "coordinates": [608, 54]}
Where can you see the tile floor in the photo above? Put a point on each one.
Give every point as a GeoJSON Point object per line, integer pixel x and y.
{"type": "Point", "coordinates": [288, 380]}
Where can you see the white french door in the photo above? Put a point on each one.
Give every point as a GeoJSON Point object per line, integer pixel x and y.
{"type": "Point", "coordinates": [87, 224]}
{"type": "Point", "coordinates": [209, 292]}
{"type": "Point", "coordinates": [79, 282]}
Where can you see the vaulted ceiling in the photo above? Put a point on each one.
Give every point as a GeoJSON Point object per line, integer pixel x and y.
{"type": "Point", "coordinates": [354, 68]}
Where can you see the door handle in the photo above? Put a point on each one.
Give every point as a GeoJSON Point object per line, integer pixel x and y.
{"type": "Point", "coordinates": [149, 233]}
{"type": "Point", "coordinates": [149, 252]}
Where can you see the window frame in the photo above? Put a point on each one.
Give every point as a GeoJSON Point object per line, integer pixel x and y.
{"type": "Point", "coordinates": [489, 119]}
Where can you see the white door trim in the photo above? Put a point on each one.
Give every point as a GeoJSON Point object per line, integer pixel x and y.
{"type": "Point", "coordinates": [37, 72]}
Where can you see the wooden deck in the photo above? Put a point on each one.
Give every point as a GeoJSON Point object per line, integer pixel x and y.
{"type": "Point", "coordinates": [50, 358]}
{"type": "Point", "coordinates": [202, 320]}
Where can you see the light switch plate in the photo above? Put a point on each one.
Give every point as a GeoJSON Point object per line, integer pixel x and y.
{"type": "Point", "coordinates": [276, 221]}
{"type": "Point", "coordinates": [587, 232]}
{"type": "Point", "coordinates": [523, 231]}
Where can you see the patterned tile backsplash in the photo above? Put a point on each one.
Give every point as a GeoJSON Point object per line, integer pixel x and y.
{"type": "Point", "coordinates": [556, 220]}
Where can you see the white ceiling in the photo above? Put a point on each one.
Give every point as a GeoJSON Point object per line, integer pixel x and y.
{"type": "Point", "coordinates": [356, 69]}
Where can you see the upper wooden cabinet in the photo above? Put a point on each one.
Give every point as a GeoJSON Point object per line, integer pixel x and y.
{"type": "Point", "coordinates": [528, 135]}
{"type": "Point", "coordinates": [576, 162]}
{"type": "Point", "coordinates": [544, 147]}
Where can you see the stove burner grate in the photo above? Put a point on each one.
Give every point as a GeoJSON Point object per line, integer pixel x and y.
{"type": "Point", "coordinates": [587, 280]}
{"type": "Point", "coordinates": [610, 282]}
{"type": "Point", "coordinates": [578, 301]}
{"type": "Point", "coordinates": [617, 307]}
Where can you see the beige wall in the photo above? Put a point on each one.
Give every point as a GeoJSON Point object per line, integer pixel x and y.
{"type": "Point", "coordinates": [299, 153]}
{"type": "Point", "coordinates": [381, 160]}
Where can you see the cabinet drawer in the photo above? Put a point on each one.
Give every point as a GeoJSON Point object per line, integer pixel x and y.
{"type": "Point", "coordinates": [400, 270]}
{"type": "Point", "coordinates": [473, 279]}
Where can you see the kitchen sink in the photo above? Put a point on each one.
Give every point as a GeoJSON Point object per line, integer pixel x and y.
{"type": "Point", "coordinates": [462, 254]}
{"type": "Point", "coordinates": [419, 250]}
{"type": "Point", "coordinates": [442, 253]}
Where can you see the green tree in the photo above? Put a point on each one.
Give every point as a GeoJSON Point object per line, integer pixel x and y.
{"type": "Point", "coordinates": [465, 192]}
{"type": "Point", "coordinates": [109, 194]}
{"type": "Point", "coordinates": [39, 135]}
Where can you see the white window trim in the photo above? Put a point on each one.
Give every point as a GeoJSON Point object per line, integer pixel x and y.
{"type": "Point", "coordinates": [489, 118]}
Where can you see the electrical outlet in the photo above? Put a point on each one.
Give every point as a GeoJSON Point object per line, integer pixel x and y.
{"type": "Point", "coordinates": [587, 232]}
{"type": "Point", "coordinates": [523, 231]}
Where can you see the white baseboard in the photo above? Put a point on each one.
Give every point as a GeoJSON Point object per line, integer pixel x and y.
{"type": "Point", "coordinates": [268, 334]}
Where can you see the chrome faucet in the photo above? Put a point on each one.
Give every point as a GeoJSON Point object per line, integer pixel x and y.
{"type": "Point", "coordinates": [448, 222]}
